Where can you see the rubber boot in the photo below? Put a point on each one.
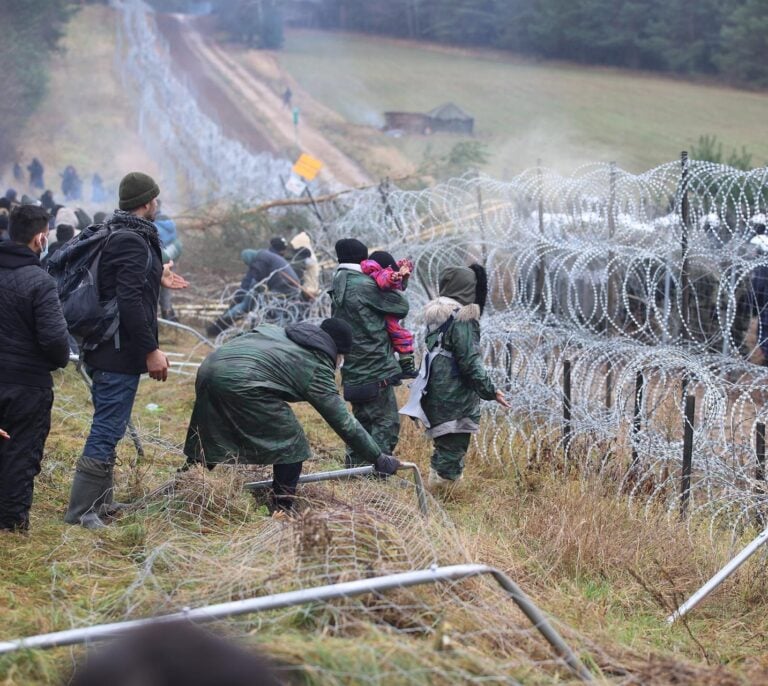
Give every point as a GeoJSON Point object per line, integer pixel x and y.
{"type": "Point", "coordinates": [91, 488]}
{"type": "Point", "coordinates": [282, 500]}
{"type": "Point", "coordinates": [438, 485]}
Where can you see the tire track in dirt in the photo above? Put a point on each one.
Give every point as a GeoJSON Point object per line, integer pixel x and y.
{"type": "Point", "coordinates": [247, 93]}
{"type": "Point", "coordinates": [212, 96]}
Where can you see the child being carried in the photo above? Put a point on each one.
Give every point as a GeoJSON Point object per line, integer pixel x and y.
{"type": "Point", "coordinates": [391, 275]}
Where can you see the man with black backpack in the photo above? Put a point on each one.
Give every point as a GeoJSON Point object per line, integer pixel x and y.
{"type": "Point", "coordinates": [33, 342]}
{"type": "Point", "coordinates": [129, 274]}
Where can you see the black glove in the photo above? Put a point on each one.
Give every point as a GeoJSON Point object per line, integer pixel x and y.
{"type": "Point", "coordinates": [386, 464]}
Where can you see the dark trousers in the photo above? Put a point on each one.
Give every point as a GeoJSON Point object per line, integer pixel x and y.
{"type": "Point", "coordinates": [113, 395]}
{"type": "Point", "coordinates": [380, 419]}
{"type": "Point", "coordinates": [284, 480]}
{"type": "Point", "coordinates": [448, 457]}
{"type": "Point", "coordinates": [25, 413]}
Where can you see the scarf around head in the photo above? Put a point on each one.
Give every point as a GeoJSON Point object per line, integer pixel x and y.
{"type": "Point", "coordinates": [130, 222]}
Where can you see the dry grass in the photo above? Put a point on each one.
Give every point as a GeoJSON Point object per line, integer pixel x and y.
{"type": "Point", "coordinates": [609, 569]}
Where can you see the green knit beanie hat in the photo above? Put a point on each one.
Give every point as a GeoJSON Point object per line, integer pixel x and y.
{"type": "Point", "coordinates": [458, 283]}
{"type": "Point", "coordinates": [137, 189]}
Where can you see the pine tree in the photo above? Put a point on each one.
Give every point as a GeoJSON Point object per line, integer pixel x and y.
{"type": "Point", "coordinates": [743, 53]}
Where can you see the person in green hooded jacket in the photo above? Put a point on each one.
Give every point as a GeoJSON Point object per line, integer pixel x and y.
{"type": "Point", "coordinates": [458, 379]}
{"type": "Point", "coordinates": [241, 412]}
{"type": "Point", "coordinates": [371, 369]}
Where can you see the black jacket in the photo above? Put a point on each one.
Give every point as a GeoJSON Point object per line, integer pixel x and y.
{"type": "Point", "coordinates": [33, 332]}
{"type": "Point", "coordinates": [130, 269]}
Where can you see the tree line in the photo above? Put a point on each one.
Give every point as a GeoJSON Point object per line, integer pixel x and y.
{"type": "Point", "coordinates": [30, 32]}
{"type": "Point", "coordinates": [727, 39]}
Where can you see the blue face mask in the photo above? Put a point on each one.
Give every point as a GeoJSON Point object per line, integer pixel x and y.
{"type": "Point", "coordinates": [44, 251]}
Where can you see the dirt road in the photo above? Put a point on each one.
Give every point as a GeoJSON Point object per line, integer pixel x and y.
{"type": "Point", "coordinates": [246, 107]}
{"type": "Point", "coordinates": [213, 97]}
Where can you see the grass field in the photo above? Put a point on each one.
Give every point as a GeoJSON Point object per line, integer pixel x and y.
{"type": "Point", "coordinates": [608, 569]}
{"type": "Point", "coordinates": [565, 115]}
{"type": "Point", "coordinates": [86, 118]}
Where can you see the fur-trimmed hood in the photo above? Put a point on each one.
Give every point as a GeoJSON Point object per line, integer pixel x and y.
{"type": "Point", "coordinates": [437, 312]}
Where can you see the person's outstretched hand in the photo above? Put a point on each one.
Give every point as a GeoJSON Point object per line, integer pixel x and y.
{"type": "Point", "coordinates": [4, 434]}
{"type": "Point", "coordinates": [501, 399]}
{"type": "Point", "coordinates": [386, 464]}
{"type": "Point", "coordinates": [172, 280]}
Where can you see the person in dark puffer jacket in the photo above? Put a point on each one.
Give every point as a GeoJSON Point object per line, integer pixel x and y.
{"type": "Point", "coordinates": [33, 342]}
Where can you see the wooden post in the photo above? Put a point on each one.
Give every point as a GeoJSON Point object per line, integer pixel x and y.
{"type": "Point", "coordinates": [685, 482]}
{"type": "Point", "coordinates": [566, 407]}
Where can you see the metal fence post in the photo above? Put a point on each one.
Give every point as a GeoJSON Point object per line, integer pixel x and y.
{"type": "Point", "coordinates": [541, 267]}
{"type": "Point", "coordinates": [566, 407]}
{"type": "Point", "coordinates": [686, 225]}
{"type": "Point", "coordinates": [481, 222]}
{"type": "Point", "coordinates": [685, 482]}
{"type": "Point", "coordinates": [510, 351]}
{"type": "Point", "coordinates": [760, 468]}
{"type": "Point", "coordinates": [611, 295]}
{"type": "Point", "coordinates": [637, 417]}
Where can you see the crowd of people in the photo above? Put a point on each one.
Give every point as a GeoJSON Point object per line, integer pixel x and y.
{"type": "Point", "coordinates": [244, 388]}
{"type": "Point", "coordinates": [71, 184]}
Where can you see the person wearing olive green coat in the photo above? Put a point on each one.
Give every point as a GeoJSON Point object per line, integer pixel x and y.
{"type": "Point", "coordinates": [241, 412]}
{"type": "Point", "coordinates": [370, 370]}
{"type": "Point", "coordinates": [457, 379]}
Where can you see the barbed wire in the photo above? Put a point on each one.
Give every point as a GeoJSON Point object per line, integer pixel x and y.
{"type": "Point", "coordinates": [197, 159]}
{"type": "Point", "coordinates": [659, 274]}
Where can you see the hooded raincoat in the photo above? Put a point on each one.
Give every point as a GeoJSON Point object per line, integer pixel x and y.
{"type": "Point", "coordinates": [458, 379]}
{"type": "Point", "coordinates": [241, 411]}
{"type": "Point", "coordinates": [357, 300]}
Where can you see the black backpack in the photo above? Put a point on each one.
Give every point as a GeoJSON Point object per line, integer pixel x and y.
{"type": "Point", "coordinates": [75, 268]}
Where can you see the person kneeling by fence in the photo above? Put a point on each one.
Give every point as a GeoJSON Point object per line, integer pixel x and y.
{"type": "Point", "coordinates": [241, 412]}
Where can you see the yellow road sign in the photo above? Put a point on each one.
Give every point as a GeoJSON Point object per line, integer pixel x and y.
{"type": "Point", "coordinates": [307, 167]}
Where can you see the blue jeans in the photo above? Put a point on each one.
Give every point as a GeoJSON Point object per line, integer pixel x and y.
{"type": "Point", "coordinates": [113, 395]}
{"type": "Point", "coordinates": [241, 309]}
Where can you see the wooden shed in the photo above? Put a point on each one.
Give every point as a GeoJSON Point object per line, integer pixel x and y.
{"type": "Point", "coordinates": [448, 117]}
{"type": "Point", "coordinates": [409, 122]}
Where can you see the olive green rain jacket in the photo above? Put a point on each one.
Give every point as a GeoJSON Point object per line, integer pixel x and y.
{"type": "Point", "coordinates": [457, 379]}
{"type": "Point", "coordinates": [357, 300]}
{"type": "Point", "coordinates": [241, 411]}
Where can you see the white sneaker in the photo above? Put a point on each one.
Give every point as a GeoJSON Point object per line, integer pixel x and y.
{"type": "Point", "coordinates": [438, 484]}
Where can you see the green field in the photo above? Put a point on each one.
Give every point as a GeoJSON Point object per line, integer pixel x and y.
{"type": "Point", "coordinates": [565, 115]}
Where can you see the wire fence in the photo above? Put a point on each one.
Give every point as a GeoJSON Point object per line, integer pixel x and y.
{"type": "Point", "coordinates": [659, 276]}
{"type": "Point", "coordinates": [198, 160]}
